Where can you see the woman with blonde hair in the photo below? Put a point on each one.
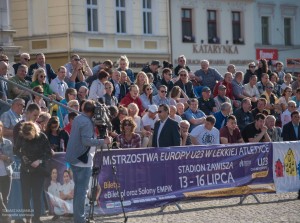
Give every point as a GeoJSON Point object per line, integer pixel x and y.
{"type": "Point", "coordinates": [133, 111]}
{"type": "Point", "coordinates": [128, 138]}
{"type": "Point", "coordinates": [39, 78]}
{"type": "Point", "coordinates": [123, 65]}
{"type": "Point", "coordinates": [141, 79]}
{"type": "Point", "coordinates": [33, 148]}
{"type": "Point", "coordinates": [6, 159]}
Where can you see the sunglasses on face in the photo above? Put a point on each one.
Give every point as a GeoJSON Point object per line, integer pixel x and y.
{"type": "Point", "coordinates": [183, 75]}
{"type": "Point", "coordinates": [163, 91]}
{"type": "Point", "coordinates": [77, 59]}
{"type": "Point", "coordinates": [127, 124]}
{"type": "Point", "coordinates": [270, 87]}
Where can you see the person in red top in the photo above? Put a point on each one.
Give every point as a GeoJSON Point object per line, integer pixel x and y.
{"type": "Point", "coordinates": [229, 89]}
{"type": "Point", "coordinates": [227, 83]}
{"type": "Point", "coordinates": [133, 97]}
{"type": "Point", "coordinates": [71, 117]}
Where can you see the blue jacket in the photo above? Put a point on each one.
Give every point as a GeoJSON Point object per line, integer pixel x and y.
{"type": "Point", "coordinates": [81, 139]}
{"type": "Point", "coordinates": [220, 118]}
{"type": "Point", "coordinates": [6, 148]}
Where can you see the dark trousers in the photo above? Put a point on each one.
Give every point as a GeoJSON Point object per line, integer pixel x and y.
{"type": "Point", "coordinates": [5, 185]}
{"type": "Point", "coordinates": [32, 185]}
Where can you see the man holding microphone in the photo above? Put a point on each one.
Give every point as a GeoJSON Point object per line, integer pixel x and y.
{"type": "Point", "coordinates": [81, 149]}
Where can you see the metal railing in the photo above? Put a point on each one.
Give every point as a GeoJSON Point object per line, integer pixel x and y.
{"type": "Point", "coordinates": [47, 99]}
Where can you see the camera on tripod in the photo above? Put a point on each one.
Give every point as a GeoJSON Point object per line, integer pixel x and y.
{"type": "Point", "coordinates": [101, 118]}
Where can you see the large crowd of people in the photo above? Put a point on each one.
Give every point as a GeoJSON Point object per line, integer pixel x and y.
{"type": "Point", "coordinates": [160, 106]}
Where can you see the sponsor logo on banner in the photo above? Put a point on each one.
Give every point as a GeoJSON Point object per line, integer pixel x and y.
{"type": "Point", "coordinates": [268, 54]}
{"type": "Point", "coordinates": [286, 162]}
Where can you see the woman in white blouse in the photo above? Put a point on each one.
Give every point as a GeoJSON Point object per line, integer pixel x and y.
{"type": "Point", "coordinates": [97, 89]}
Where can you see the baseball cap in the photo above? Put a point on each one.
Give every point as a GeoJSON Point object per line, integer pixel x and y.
{"type": "Point", "coordinates": [153, 108]}
{"type": "Point", "coordinates": [156, 62]}
{"type": "Point", "coordinates": [222, 87]}
{"type": "Point", "coordinates": [205, 89]}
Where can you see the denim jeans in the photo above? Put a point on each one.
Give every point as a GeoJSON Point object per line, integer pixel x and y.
{"type": "Point", "coordinates": [81, 177]}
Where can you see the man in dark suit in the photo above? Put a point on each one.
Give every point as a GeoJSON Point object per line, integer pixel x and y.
{"type": "Point", "coordinates": [41, 62]}
{"type": "Point", "coordinates": [291, 130]}
{"type": "Point", "coordinates": [166, 131]}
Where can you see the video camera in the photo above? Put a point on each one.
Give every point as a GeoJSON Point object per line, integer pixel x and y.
{"type": "Point", "coordinates": [101, 119]}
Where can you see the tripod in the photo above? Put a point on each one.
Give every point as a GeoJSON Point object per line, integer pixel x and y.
{"type": "Point", "coordinates": [94, 186]}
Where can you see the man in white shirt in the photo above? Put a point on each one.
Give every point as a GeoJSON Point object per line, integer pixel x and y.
{"type": "Point", "coordinates": [206, 134]}
{"type": "Point", "coordinates": [251, 88]}
{"type": "Point", "coordinates": [58, 85]}
{"type": "Point", "coordinates": [150, 118]}
{"type": "Point", "coordinates": [286, 115]}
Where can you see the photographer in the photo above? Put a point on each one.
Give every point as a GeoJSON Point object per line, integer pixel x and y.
{"type": "Point", "coordinates": [33, 148]}
{"type": "Point", "coordinates": [80, 152]}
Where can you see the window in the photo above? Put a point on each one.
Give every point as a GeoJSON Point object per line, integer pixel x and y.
{"type": "Point", "coordinates": [92, 15]}
{"type": "Point", "coordinates": [288, 31]}
{"type": "Point", "coordinates": [236, 28]}
{"type": "Point", "coordinates": [120, 15]}
{"type": "Point", "coordinates": [187, 28]}
{"type": "Point", "coordinates": [147, 17]}
{"type": "Point", "coordinates": [212, 26]}
{"type": "Point", "coordinates": [265, 30]}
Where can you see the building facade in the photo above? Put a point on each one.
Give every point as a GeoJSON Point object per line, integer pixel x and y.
{"type": "Point", "coordinates": [95, 29]}
{"type": "Point", "coordinates": [7, 45]}
{"type": "Point", "coordinates": [221, 31]}
{"type": "Point", "coordinates": [277, 34]}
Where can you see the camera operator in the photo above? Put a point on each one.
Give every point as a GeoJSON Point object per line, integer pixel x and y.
{"type": "Point", "coordinates": [80, 152]}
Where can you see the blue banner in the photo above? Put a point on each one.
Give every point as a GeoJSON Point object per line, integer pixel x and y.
{"type": "Point", "coordinates": [153, 177]}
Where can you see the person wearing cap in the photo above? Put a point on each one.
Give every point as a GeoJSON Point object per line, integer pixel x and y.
{"type": "Point", "coordinates": [227, 83]}
{"type": "Point", "coordinates": [206, 103]}
{"type": "Point", "coordinates": [249, 72]}
{"type": "Point", "coordinates": [207, 76]}
{"type": "Point", "coordinates": [221, 97]}
{"type": "Point", "coordinates": [153, 68]}
{"type": "Point", "coordinates": [149, 119]}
